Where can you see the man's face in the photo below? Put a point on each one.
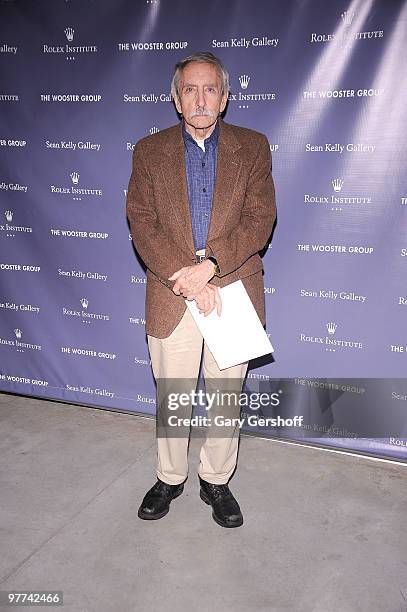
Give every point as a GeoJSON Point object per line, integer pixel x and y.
{"type": "Point", "coordinates": [200, 99]}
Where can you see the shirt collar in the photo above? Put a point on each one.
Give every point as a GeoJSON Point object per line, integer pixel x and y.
{"type": "Point", "coordinates": [211, 140]}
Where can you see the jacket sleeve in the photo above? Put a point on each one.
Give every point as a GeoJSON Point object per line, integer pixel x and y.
{"type": "Point", "coordinates": [148, 236]}
{"type": "Point", "coordinates": [250, 235]}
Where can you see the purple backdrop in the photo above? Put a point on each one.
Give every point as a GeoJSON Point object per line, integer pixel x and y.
{"type": "Point", "coordinates": [82, 81]}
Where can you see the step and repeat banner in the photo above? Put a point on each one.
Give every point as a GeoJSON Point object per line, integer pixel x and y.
{"type": "Point", "coordinates": [82, 80]}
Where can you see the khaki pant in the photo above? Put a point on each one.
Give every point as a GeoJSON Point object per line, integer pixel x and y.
{"type": "Point", "coordinates": [179, 357]}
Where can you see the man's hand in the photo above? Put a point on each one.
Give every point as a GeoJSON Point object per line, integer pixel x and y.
{"type": "Point", "coordinates": [191, 280]}
{"type": "Point", "coordinates": [207, 299]}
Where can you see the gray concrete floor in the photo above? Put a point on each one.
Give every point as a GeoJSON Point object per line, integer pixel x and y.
{"type": "Point", "coordinates": [323, 532]}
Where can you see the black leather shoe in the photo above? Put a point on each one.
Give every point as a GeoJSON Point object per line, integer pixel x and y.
{"type": "Point", "coordinates": [156, 502]}
{"type": "Point", "coordinates": [225, 509]}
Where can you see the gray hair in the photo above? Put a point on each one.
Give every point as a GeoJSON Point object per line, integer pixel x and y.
{"type": "Point", "coordinates": [200, 56]}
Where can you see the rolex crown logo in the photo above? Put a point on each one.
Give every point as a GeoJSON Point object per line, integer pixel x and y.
{"type": "Point", "coordinates": [17, 333]}
{"type": "Point", "coordinates": [154, 130]}
{"type": "Point", "coordinates": [331, 327]}
{"type": "Point", "coordinates": [244, 81]}
{"type": "Point", "coordinates": [337, 184]}
{"type": "Point", "coordinates": [84, 302]}
{"type": "Point", "coordinates": [347, 17]}
{"type": "Point", "coordinates": [69, 32]}
{"type": "Point", "coordinates": [9, 215]}
{"type": "Point", "coordinates": [75, 177]}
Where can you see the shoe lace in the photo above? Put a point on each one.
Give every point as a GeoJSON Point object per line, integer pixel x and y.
{"type": "Point", "coordinates": [162, 486]}
{"type": "Point", "coordinates": [218, 490]}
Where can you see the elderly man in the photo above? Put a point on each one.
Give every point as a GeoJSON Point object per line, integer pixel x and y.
{"type": "Point", "coordinates": [201, 205]}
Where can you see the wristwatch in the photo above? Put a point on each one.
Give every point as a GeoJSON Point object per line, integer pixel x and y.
{"type": "Point", "coordinates": [213, 260]}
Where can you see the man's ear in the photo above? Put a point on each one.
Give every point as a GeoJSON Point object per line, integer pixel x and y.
{"type": "Point", "coordinates": [177, 104]}
{"type": "Point", "coordinates": [224, 101]}
{"type": "Point", "coordinates": [177, 101]}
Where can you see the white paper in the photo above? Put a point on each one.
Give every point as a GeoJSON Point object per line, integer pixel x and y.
{"type": "Point", "coordinates": [237, 335]}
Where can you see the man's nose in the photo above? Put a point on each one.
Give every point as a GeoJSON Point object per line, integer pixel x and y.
{"type": "Point", "coordinates": [200, 97]}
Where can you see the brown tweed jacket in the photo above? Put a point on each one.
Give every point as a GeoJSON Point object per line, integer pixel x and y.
{"type": "Point", "coordinates": [242, 217]}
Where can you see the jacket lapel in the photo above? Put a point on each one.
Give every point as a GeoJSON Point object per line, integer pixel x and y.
{"type": "Point", "coordinates": [174, 176]}
{"type": "Point", "coordinates": [228, 169]}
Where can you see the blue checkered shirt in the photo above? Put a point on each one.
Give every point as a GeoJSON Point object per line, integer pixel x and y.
{"type": "Point", "coordinates": [201, 173]}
